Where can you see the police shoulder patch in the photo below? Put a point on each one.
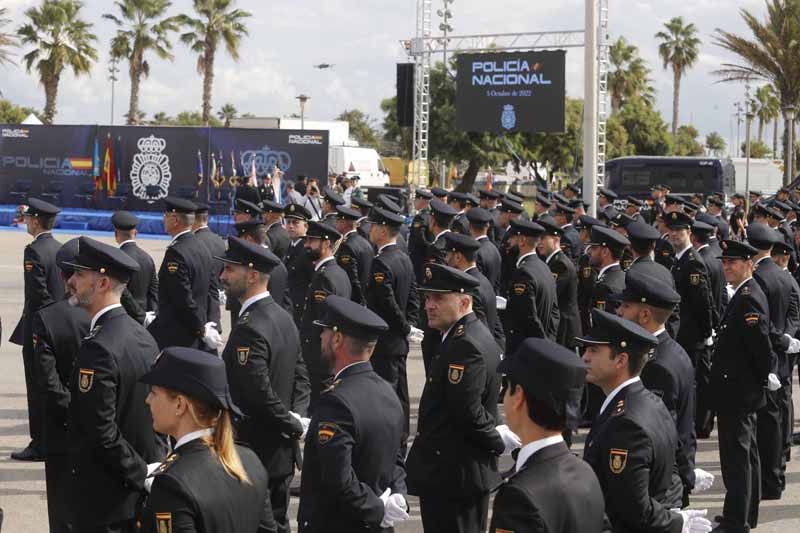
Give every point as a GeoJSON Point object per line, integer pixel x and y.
{"type": "Point", "coordinates": [164, 522]}
{"type": "Point", "coordinates": [319, 296]}
{"type": "Point", "coordinates": [600, 304]}
{"type": "Point", "coordinates": [242, 354]}
{"type": "Point", "coordinates": [745, 291]}
{"type": "Point", "coordinates": [379, 277]}
{"type": "Point", "coordinates": [455, 373]}
{"type": "Point", "coordinates": [752, 319]}
{"type": "Point", "coordinates": [694, 279]}
{"type": "Point", "coordinates": [619, 409]}
{"type": "Point", "coordinates": [244, 318]}
{"type": "Point", "coordinates": [459, 331]}
{"type": "Point", "coordinates": [345, 259]}
{"type": "Point", "coordinates": [28, 266]}
{"type": "Point", "coordinates": [326, 431]}
{"type": "Point", "coordinates": [35, 340]}
{"type": "Point", "coordinates": [172, 267]}
{"type": "Point", "coordinates": [617, 459]}
{"type": "Point", "coordinates": [519, 288]}
{"type": "Point", "coordinates": [85, 379]}
{"type": "Point", "coordinates": [586, 272]}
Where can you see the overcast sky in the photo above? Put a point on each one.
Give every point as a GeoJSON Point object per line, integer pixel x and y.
{"type": "Point", "coordinates": [361, 38]}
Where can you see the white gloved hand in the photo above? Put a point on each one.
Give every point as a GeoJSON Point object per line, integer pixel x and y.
{"type": "Point", "coordinates": [395, 509]}
{"type": "Point", "coordinates": [773, 383]}
{"type": "Point", "coordinates": [415, 336]}
{"type": "Point", "coordinates": [148, 480]}
{"type": "Point", "coordinates": [694, 520]}
{"type": "Point", "coordinates": [794, 345]}
{"type": "Point", "coordinates": [710, 339]}
{"type": "Point", "coordinates": [212, 338]}
{"type": "Point", "coordinates": [149, 317]}
{"type": "Point", "coordinates": [223, 298]}
{"type": "Point", "coordinates": [305, 422]}
{"type": "Point", "coordinates": [501, 303]}
{"type": "Point", "coordinates": [702, 480]}
{"type": "Point", "coordinates": [510, 439]}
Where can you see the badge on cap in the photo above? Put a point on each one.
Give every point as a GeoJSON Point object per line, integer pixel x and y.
{"type": "Point", "coordinates": [86, 379]}
{"type": "Point", "coordinates": [172, 267]}
{"type": "Point", "coordinates": [674, 215]}
{"type": "Point", "coordinates": [164, 521]}
{"type": "Point", "coordinates": [617, 460]}
{"type": "Point", "coordinates": [455, 373]}
{"type": "Point", "coordinates": [326, 432]}
{"type": "Point", "coordinates": [378, 277]}
{"type": "Point", "coordinates": [243, 354]}
{"type": "Point", "coordinates": [694, 279]}
{"type": "Point", "coordinates": [751, 319]}
{"type": "Point", "coordinates": [28, 266]}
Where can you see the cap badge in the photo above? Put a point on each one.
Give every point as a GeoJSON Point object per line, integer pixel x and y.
{"type": "Point", "coordinates": [455, 373]}
{"type": "Point", "coordinates": [291, 208]}
{"type": "Point", "coordinates": [674, 215]}
{"type": "Point", "coordinates": [617, 460]}
{"type": "Point", "coordinates": [243, 354]}
{"type": "Point", "coordinates": [86, 379]}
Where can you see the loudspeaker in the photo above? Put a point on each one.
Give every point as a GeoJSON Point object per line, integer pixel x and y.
{"type": "Point", "coordinates": [405, 94]}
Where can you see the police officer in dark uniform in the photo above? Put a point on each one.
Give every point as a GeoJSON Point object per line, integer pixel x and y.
{"type": "Point", "coordinates": [208, 483]}
{"type": "Point", "coordinates": [183, 282]}
{"type": "Point", "coordinates": [458, 202]}
{"type": "Point", "coordinates": [58, 330]}
{"type": "Point", "coordinates": [563, 270]}
{"type": "Point", "coordinates": [632, 443]}
{"type": "Point", "coordinates": [110, 428]}
{"type": "Point", "coordinates": [43, 286]}
{"type": "Point", "coordinates": [440, 222]}
{"type": "Point", "coordinates": [571, 240]}
{"type": "Point", "coordinates": [716, 208]}
{"type": "Point", "coordinates": [328, 278]}
{"type": "Point", "coordinates": [605, 251]}
{"type": "Point", "coordinates": [742, 362]}
{"type": "Point", "coordinates": [268, 378]}
{"type": "Point", "coordinates": [245, 210]}
{"type": "Point", "coordinates": [452, 465]}
{"type": "Point", "coordinates": [354, 253]}
{"type": "Point", "coordinates": [296, 260]}
{"type": "Point", "coordinates": [276, 234]}
{"type": "Point", "coordinates": [419, 234]}
{"type": "Point", "coordinates": [216, 247]}
{"type": "Point", "coordinates": [330, 201]}
{"type": "Point", "coordinates": [587, 274]}
{"type": "Point", "coordinates": [353, 477]}
{"type": "Point", "coordinates": [550, 489]}
{"type": "Point", "coordinates": [488, 257]}
{"type": "Point", "coordinates": [143, 285]}
{"type": "Point", "coordinates": [362, 224]}
{"type": "Point", "coordinates": [664, 253]}
{"type": "Point", "coordinates": [508, 210]}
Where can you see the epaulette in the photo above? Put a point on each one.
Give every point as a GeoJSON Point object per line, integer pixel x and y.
{"type": "Point", "coordinates": [332, 386]}
{"type": "Point", "coordinates": [95, 330]}
{"type": "Point", "coordinates": [459, 331]}
{"type": "Point", "coordinates": [244, 318]}
{"type": "Point", "coordinates": [620, 408]}
{"type": "Point", "coordinates": [165, 465]}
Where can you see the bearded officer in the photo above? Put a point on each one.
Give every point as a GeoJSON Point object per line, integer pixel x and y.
{"type": "Point", "coordinates": [550, 489]}
{"type": "Point", "coordinates": [353, 478]}
{"type": "Point", "coordinates": [606, 248]}
{"type": "Point", "coordinates": [354, 253]}
{"type": "Point", "coordinates": [111, 430]}
{"type": "Point", "coordinates": [265, 368]}
{"type": "Point", "coordinates": [631, 445]}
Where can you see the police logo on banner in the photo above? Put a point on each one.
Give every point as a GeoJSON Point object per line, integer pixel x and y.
{"type": "Point", "coordinates": [150, 170]}
{"type": "Point", "coordinates": [508, 118]}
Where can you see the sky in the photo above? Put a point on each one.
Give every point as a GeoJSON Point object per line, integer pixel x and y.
{"type": "Point", "coordinates": [362, 39]}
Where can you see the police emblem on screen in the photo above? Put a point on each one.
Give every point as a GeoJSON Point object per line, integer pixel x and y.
{"type": "Point", "coordinates": [508, 118]}
{"type": "Point", "coordinates": [150, 171]}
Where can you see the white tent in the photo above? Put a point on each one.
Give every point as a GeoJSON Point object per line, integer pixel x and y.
{"type": "Point", "coordinates": [32, 120]}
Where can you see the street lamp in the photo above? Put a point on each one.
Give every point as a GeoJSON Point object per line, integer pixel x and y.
{"type": "Point", "coordinates": [788, 115]}
{"type": "Point", "coordinates": [749, 108]}
{"type": "Point", "coordinates": [113, 71]}
{"type": "Point", "coordinates": [445, 27]}
{"type": "Point", "coordinates": [303, 99]}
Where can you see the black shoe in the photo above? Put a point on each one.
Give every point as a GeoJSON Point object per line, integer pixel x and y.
{"type": "Point", "coordinates": [28, 454]}
{"type": "Point", "coordinates": [770, 496]}
{"type": "Point", "coordinates": [796, 439]}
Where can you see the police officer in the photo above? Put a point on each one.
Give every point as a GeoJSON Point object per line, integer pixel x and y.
{"type": "Point", "coordinates": [507, 212]}
{"type": "Point", "coordinates": [587, 274]}
{"type": "Point", "coordinates": [742, 362]}
{"type": "Point", "coordinates": [550, 489]}
{"type": "Point", "coordinates": [631, 445]}
{"type": "Point", "coordinates": [208, 483]}
{"type": "Point", "coordinates": [605, 250]}
{"type": "Point", "coordinates": [452, 464]}
{"type": "Point", "coordinates": [458, 202]}
{"type": "Point", "coordinates": [419, 234]}
{"type": "Point", "coordinates": [43, 286]}
{"type": "Point", "coordinates": [353, 477]}
{"type": "Point", "coordinates": [111, 432]}
{"type": "Point", "coordinates": [58, 330]}
{"type": "Point", "coordinates": [330, 201]}
{"type": "Point", "coordinates": [328, 278]}
{"type": "Point", "coordinates": [664, 253]}
{"type": "Point", "coordinates": [276, 234]}
{"type": "Point", "coordinates": [487, 257]}
{"type": "Point", "coordinates": [216, 247]}
{"type": "Point", "coordinates": [143, 285]}
{"type": "Point", "coordinates": [184, 277]}
{"type": "Point", "coordinates": [296, 260]}
{"type": "Point", "coordinates": [605, 198]}
{"type": "Point", "coordinates": [268, 378]}
{"type": "Point", "coordinates": [440, 222]}
{"type": "Point", "coordinates": [716, 207]}
{"type": "Point", "coordinates": [563, 270]}
{"type": "Point", "coordinates": [245, 210]}
{"type": "Point", "coordinates": [354, 253]}
{"type": "Point", "coordinates": [364, 206]}
{"type": "Point", "coordinates": [572, 245]}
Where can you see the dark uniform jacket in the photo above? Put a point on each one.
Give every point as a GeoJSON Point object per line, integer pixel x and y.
{"type": "Point", "coordinates": [571, 242]}
{"type": "Point", "coordinates": [743, 356]}
{"type": "Point", "coordinates": [278, 239]}
{"type": "Point", "coordinates": [778, 290]}
{"type": "Point", "coordinates": [58, 331]}
{"type": "Point", "coordinates": [664, 253]}
{"type": "Point", "coordinates": [355, 255]}
{"type": "Point", "coordinates": [532, 308]}
{"type": "Point", "coordinates": [267, 378]}
{"type": "Point", "coordinates": [183, 284]}
{"type": "Point", "coordinates": [717, 283]}
{"type": "Point", "coordinates": [111, 430]}
{"type": "Point", "coordinates": [485, 306]}
{"type": "Point", "coordinates": [587, 275]}
{"type": "Point", "coordinates": [553, 492]}
{"type": "Point", "coordinates": [193, 492]}
{"type": "Point", "coordinates": [670, 375]}
{"type": "Point", "coordinates": [569, 324]}
{"type": "Point", "coordinates": [460, 224]}
{"type": "Point", "coordinates": [608, 284]}
{"type": "Point", "coordinates": [352, 454]}
{"type": "Point", "coordinates": [143, 285]}
{"type": "Point", "coordinates": [489, 262]}
{"type": "Point", "coordinates": [646, 265]}
{"type": "Point", "coordinates": [456, 447]}
{"type": "Point", "coordinates": [696, 308]}
{"type": "Point", "coordinates": [216, 248]}
{"type": "Point", "coordinates": [418, 239]}
{"type": "Point", "coordinates": [631, 448]}
{"type": "Point", "coordinates": [278, 288]}
{"type": "Point", "coordinates": [300, 268]}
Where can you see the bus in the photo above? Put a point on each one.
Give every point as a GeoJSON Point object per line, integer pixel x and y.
{"type": "Point", "coordinates": [635, 175]}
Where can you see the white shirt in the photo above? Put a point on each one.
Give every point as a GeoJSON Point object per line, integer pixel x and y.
{"type": "Point", "coordinates": [40, 234]}
{"type": "Point", "coordinates": [123, 243]}
{"type": "Point", "coordinates": [549, 257]}
{"type": "Point", "coordinates": [175, 238]}
{"type": "Point", "coordinates": [344, 237]}
{"type": "Point", "coordinates": [253, 299]}
{"type": "Point", "coordinates": [704, 246]}
{"type": "Point", "coordinates": [680, 254]}
{"type": "Point", "coordinates": [322, 262]}
{"type": "Point", "coordinates": [523, 257]}
{"type": "Point", "coordinates": [194, 435]}
{"type": "Point", "coordinates": [739, 286]}
{"type": "Point", "coordinates": [348, 366]}
{"type": "Point", "coordinates": [201, 227]}
{"type": "Point", "coordinates": [757, 262]}
{"type": "Point", "coordinates": [386, 245]}
{"type": "Point", "coordinates": [440, 234]}
{"type": "Point", "coordinates": [481, 237]}
{"type": "Point", "coordinates": [603, 270]}
{"type": "Point", "coordinates": [614, 393]}
{"type": "Point", "coordinates": [101, 313]}
{"type": "Point", "coordinates": [532, 447]}
{"type": "Point", "coordinates": [659, 332]}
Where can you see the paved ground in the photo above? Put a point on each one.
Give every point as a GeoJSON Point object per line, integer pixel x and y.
{"type": "Point", "coordinates": [22, 487]}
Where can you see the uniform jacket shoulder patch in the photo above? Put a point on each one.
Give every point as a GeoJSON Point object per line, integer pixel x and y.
{"type": "Point", "coordinates": [379, 277]}
{"type": "Point", "coordinates": [617, 459]}
{"type": "Point", "coordinates": [600, 304]}
{"type": "Point", "coordinates": [619, 409]}
{"type": "Point", "coordinates": [752, 319]}
{"type": "Point", "coordinates": [28, 266]}
{"type": "Point", "coordinates": [345, 259]}
{"type": "Point", "coordinates": [745, 291]}
{"type": "Point", "coordinates": [319, 296]}
{"type": "Point", "coordinates": [459, 331]}
{"type": "Point", "coordinates": [694, 279]}
{"type": "Point", "coordinates": [164, 522]}
{"type": "Point", "coordinates": [242, 354]}
{"type": "Point", "coordinates": [326, 431]}
{"type": "Point", "coordinates": [244, 318]}
{"type": "Point", "coordinates": [455, 373]}
{"type": "Point", "coordinates": [172, 267]}
{"type": "Point", "coordinates": [586, 272]}
{"type": "Point", "coordinates": [520, 288]}
{"type": "Point", "coordinates": [85, 379]}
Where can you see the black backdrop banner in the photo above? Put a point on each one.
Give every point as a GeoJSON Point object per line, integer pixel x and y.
{"type": "Point", "coordinates": [66, 164]}
{"type": "Point", "coordinates": [511, 92]}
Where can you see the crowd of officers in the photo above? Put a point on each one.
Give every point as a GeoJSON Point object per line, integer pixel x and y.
{"type": "Point", "coordinates": [647, 324]}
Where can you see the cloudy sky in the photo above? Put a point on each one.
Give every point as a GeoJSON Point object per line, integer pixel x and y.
{"type": "Point", "coordinates": [361, 37]}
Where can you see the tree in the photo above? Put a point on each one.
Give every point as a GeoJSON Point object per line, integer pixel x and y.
{"type": "Point", "coordinates": [758, 149]}
{"type": "Point", "coordinates": [770, 56]}
{"type": "Point", "coordinates": [628, 77]}
{"type": "Point", "coordinates": [60, 40]}
{"type": "Point", "coordinates": [161, 119]}
{"type": "Point", "coordinates": [679, 49]}
{"type": "Point", "coordinates": [767, 108]}
{"type": "Point", "coordinates": [686, 143]}
{"type": "Point", "coordinates": [141, 29]}
{"type": "Point", "coordinates": [227, 113]}
{"type": "Point", "coordinates": [647, 131]}
{"type": "Point", "coordinates": [194, 118]}
{"type": "Point", "coordinates": [396, 140]}
{"type": "Point", "coordinates": [361, 128]}
{"type": "Point", "coordinates": [715, 144]}
{"type": "Point", "coordinates": [138, 118]}
{"type": "Point", "coordinates": [219, 23]}
{"type": "Point", "coordinates": [13, 114]}
{"type": "Point", "coordinates": [7, 40]}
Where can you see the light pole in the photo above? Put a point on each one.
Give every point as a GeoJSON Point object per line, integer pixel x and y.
{"type": "Point", "coordinates": [788, 171]}
{"type": "Point", "coordinates": [445, 28]}
{"type": "Point", "coordinates": [303, 99]}
{"type": "Point", "coordinates": [738, 106]}
{"type": "Point", "coordinates": [590, 99]}
{"type": "Point", "coordinates": [113, 71]}
{"type": "Point", "coordinates": [748, 122]}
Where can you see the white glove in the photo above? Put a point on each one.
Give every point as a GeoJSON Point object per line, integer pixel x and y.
{"type": "Point", "coordinates": [702, 480]}
{"type": "Point", "coordinates": [223, 299]}
{"type": "Point", "coordinates": [415, 336]}
{"type": "Point", "coordinates": [212, 338]}
{"type": "Point", "coordinates": [773, 383]}
{"type": "Point", "coordinates": [148, 480]}
{"type": "Point", "coordinates": [500, 302]}
{"type": "Point", "coordinates": [395, 509]}
{"type": "Point", "coordinates": [305, 422]}
{"type": "Point", "coordinates": [710, 339]}
{"type": "Point", "coordinates": [510, 439]}
{"type": "Point", "coordinates": [794, 344]}
{"type": "Point", "coordinates": [149, 317]}
{"type": "Point", "coordinates": [694, 521]}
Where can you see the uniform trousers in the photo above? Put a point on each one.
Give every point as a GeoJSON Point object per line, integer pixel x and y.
{"type": "Point", "coordinates": [441, 514]}
{"type": "Point", "coordinates": [704, 414]}
{"type": "Point", "coordinates": [769, 431]}
{"type": "Point", "coordinates": [741, 471]}
{"type": "Point", "coordinates": [787, 423]}
{"type": "Point", "coordinates": [35, 399]}
{"type": "Point", "coordinates": [279, 498]}
{"type": "Point", "coordinates": [58, 476]}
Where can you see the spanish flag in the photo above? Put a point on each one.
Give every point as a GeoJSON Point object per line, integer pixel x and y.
{"type": "Point", "coordinates": [109, 173]}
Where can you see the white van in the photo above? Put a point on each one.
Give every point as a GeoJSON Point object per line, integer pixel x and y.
{"type": "Point", "coordinates": [356, 161]}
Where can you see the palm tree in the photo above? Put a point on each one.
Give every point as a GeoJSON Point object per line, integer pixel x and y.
{"type": "Point", "coordinates": [7, 40]}
{"type": "Point", "coordinates": [218, 22]}
{"type": "Point", "coordinates": [227, 113]}
{"type": "Point", "coordinates": [629, 77]}
{"type": "Point", "coordinates": [141, 28]}
{"type": "Point", "coordinates": [679, 49]}
{"type": "Point", "coordinates": [767, 108]}
{"type": "Point", "coordinates": [161, 119]}
{"type": "Point", "coordinates": [61, 40]}
{"type": "Point", "coordinates": [771, 55]}
{"type": "Point", "coordinates": [138, 118]}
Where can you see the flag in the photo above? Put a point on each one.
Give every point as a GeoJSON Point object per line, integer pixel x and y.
{"type": "Point", "coordinates": [118, 161]}
{"type": "Point", "coordinates": [489, 181]}
{"type": "Point", "coordinates": [199, 168]}
{"type": "Point", "coordinates": [252, 180]}
{"type": "Point", "coordinates": [233, 165]}
{"type": "Point", "coordinates": [212, 173]}
{"type": "Point", "coordinates": [221, 169]}
{"type": "Point", "coordinates": [96, 172]}
{"type": "Point", "coordinates": [109, 172]}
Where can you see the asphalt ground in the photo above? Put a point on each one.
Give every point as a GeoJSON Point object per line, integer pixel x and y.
{"type": "Point", "coordinates": [22, 486]}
